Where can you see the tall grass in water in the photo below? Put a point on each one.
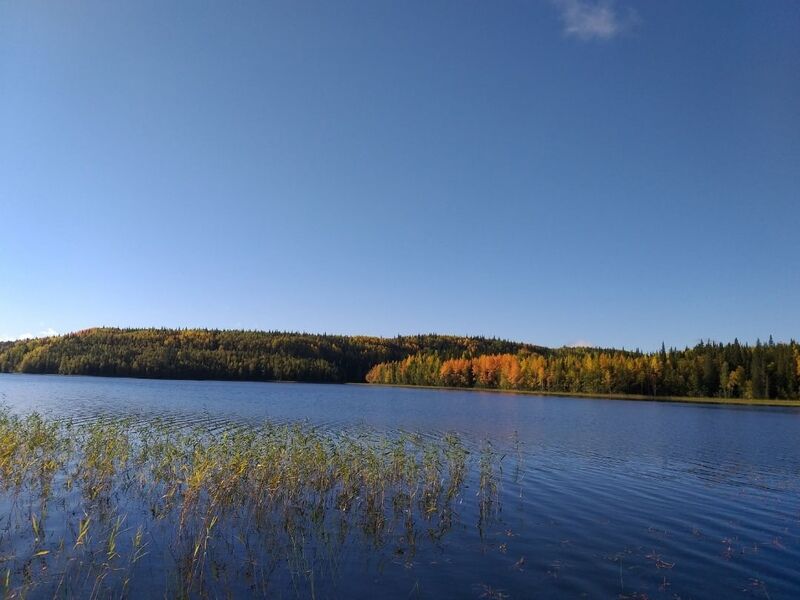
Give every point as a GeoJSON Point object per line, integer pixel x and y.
{"type": "Point", "coordinates": [86, 505]}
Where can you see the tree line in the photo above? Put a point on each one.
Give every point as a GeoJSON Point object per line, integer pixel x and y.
{"type": "Point", "coordinates": [763, 370]}
{"type": "Point", "coordinates": [709, 369]}
{"type": "Point", "coordinates": [230, 355]}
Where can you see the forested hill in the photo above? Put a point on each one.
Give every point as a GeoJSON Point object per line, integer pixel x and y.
{"type": "Point", "coordinates": [242, 355]}
{"type": "Point", "coordinates": [733, 370]}
{"type": "Point", "coordinates": [708, 370]}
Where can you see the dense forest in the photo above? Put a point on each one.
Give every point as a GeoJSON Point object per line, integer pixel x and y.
{"type": "Point", "coordinates": [708, 370]}
{"type": "Point", "coordinates": [242, 355]}
{"type": "Point", "coordinates": [735, 370]}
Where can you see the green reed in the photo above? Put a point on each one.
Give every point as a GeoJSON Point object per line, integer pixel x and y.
{"type": "Point", "coordinates": [252, 494]}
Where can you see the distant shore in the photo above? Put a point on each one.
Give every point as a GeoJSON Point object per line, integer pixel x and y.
{"type": "Point", "coordinates": [710, 372]}
{"type": "Point", "coordinates": [637, 397]}
{"type": "Point", "coordinates": [775, 402]}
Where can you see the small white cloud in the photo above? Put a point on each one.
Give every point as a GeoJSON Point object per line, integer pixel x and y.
{"type": "Point", "coordinates": [49, 332]}
{"type": "Point", "coordinates": [580, 344]}
{"type": "Point", "coordinates": [592, 19]}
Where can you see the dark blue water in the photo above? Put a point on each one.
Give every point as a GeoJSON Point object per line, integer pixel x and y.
{"type": "Point", "coordinates": [599, 498]}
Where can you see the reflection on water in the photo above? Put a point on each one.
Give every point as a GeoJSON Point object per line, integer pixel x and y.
{"type": "Point", "coordinates": [589, 497]}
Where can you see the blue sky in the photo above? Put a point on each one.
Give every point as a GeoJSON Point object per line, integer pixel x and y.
{"type": "Point", "coordinates": [553, 171]}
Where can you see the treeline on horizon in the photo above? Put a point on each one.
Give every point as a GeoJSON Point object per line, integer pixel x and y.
{"type": "Point", "coordinates": [709, 369]}
{"type": "Point", "coordinates": [230, 355]}
{"type": "Point", "coordinates": [768, 370]}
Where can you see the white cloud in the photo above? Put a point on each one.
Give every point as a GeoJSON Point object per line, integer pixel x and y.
{"type": "Point", "coordinates": [48, 332]}
{"type": "Point", "coordinates": [592, 19]}
{"type": "Point", "coordinates": [580, 344]}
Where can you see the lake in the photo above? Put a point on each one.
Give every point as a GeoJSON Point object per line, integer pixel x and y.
{"type": "Point", "coordinates": [594, 497]}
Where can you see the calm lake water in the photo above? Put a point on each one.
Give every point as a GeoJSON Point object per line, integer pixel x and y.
{"type": "Point", "coordinates": [597, 498]}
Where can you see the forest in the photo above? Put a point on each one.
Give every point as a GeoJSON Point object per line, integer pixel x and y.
{"type": "Point", "coordinates": [709, 369]}
{"type": "Point", "coordinates": [231, 355]}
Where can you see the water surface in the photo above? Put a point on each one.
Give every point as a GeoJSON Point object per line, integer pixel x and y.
{"type": "Point", "coordinates": [598, 498]}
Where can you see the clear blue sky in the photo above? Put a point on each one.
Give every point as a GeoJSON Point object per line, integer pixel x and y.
{"type": "Point", "coordinates": [551, 171]}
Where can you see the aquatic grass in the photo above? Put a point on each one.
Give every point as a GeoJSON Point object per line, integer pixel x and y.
{"type": "Point", "coordinates": [104, 450]}
{"type": "Point", "coordinates": [489, 470]}
{"type": "Point", "coordinates": [31, 451]}
{"type": "Point", "coordinates": [224, 502]}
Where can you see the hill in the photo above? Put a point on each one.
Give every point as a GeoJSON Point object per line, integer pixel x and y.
{"type": "Point", "coordinates": [239, 355]}
{"type": "Point", "coordinates": [709, 369]}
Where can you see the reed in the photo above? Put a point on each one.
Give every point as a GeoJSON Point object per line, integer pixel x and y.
{"type": "Point", "coordinates": [229, 506]}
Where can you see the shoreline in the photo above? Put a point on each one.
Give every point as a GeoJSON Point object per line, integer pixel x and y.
{"type": "Point", "coordinates": [773, 402]}
{"type": "Point", "coordinates": [766, 402]}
